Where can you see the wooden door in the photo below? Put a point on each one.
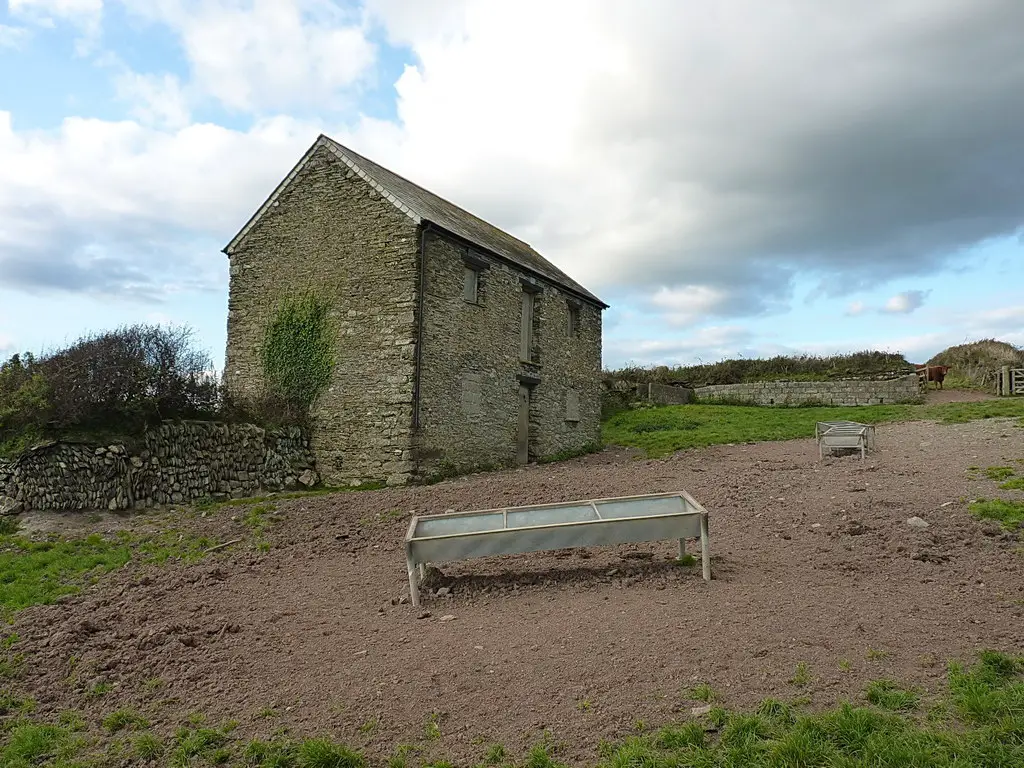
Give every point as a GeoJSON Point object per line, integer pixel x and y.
{"type": "Point", "coordinates": [523, 436]}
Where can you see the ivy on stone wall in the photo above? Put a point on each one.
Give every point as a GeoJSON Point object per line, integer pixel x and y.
{"type": "Point", "coordinates": [298, 351]}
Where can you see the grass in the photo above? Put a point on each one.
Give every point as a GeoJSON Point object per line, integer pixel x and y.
{"type": "Point", "coordinates": [686, 561]}
{"type": "Point", "coordinates": [888, 695]}
{"type": "Point", "coordinates": [801, 675]}
{"type": "Point", "coordinates": [1010, 514]}
{"type": "Point", "coordinates": [661, 431]}
{"type": "Point", "coordinates": [1014, 484]}
{"type": "Point", "coordinates": [34, 572]}
{"type": "Point", "coordinates": [999, 473]}
{"type": "Point", "coordinates": [125, 719]}
{"type": "Point", "coordinates": [495, 754]}
{"type": "Point", "coordinates": [703, 692]}
{"type": "Point", "coordinates": [876, 654]}
{"type": "Point", "coordinates": [432, 729]}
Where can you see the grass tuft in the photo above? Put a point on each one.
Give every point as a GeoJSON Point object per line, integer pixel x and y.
{"type": "Point", "coordinates": [888, 695]}
{"type": "Point", "coordinates": [1010, 514]}
{"type": "Point", "coordinates": [999, 473]}
{"type": "Point", "coordinates": [320, 753]}
{"type": "Point", "coordinates": [703, 692]}
{"type": "Point", "coordinates": [124, 718]}
{"type": "Point", "coordinates": [147, 747]}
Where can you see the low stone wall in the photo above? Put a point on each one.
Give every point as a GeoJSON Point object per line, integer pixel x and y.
{"type": "Point", "coordinates": [904, 389]}
{"type": "Point", "coordinates": [176, 462]}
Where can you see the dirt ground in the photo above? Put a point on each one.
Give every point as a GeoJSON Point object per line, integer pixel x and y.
{"type": "Point", "coordinates": [814, 563]}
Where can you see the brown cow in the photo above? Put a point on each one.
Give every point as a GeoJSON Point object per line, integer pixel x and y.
{"type": "Point", "coordinates": [934, 373]}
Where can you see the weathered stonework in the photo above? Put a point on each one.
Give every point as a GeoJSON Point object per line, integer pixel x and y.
{"type": "Point", "coordinates": [904, 389]}
{"type": "Point", "coordinates": [333, 234]}
{"type": "Point", "coordinates": [424, 382]}
{"type": "Point", "coordinates": [176, 462]}
{"type": "Point", "coordinates": [469, 389]}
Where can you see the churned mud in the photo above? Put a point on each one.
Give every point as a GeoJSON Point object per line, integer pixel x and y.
{"type": "Point", "coordinates": [814, 563]}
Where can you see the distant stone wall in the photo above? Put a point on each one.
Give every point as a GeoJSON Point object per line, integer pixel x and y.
{"type": "Point", "coordinates": [904, 389]}
{"type": "Point", "coordinates": [177, 462]}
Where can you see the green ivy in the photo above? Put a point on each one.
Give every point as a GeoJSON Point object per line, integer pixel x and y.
{"type": "Point", "coordinates": [297, 351]}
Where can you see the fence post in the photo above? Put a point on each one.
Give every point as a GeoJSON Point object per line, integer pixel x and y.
{"type": "Point", "coordinates": [1005, 385]}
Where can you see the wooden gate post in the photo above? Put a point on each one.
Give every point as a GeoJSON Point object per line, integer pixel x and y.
{"type": "Point", "coordinates": [1005, 384]}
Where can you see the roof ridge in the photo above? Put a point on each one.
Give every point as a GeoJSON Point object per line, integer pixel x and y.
{"type": "Point", "coordinates": [349, 152]}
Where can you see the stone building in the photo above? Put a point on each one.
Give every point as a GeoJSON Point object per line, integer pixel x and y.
{"type": "Point", "coordinates": [457, 345]}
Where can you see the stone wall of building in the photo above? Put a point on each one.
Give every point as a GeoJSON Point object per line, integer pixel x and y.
{"type": "Point", "coordinates": [469, 389]}
{"type": "Point", "coordinates": [176, 462]}
{"type": "Point", "coordinates": [904, 389]}
{"type": "Point", "coordinates": [334, 235]}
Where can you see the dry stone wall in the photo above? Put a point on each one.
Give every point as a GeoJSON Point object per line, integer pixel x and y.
{"type": "Point", "coordinates": [176, 462]}
{"type": "Point", "coordinates": [904, 389]}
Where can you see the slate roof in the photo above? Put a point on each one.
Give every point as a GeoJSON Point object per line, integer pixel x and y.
{"type": "Point", "coordinates": [421, 205]}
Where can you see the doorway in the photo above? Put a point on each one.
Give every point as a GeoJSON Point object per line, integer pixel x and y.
{"type": "Point", "coordinates": [523, 434]}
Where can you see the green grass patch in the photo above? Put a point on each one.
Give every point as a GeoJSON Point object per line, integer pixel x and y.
{"type": "Point", "coordinates": [703, 692]}
{"type": "Point", "coordinates": [999, 473]}
{"type": "Point", "coordinates": [801, 675]}
{"type": "Point", "coordinates": [125, 719]}
{"type": "Point", "coordinates": [1008, 513]}
{"type": "Point", "coordinates": [686, 561]}
{"type": "Point", "coordinates": [34, 572]}
{"type": "Point", "coordinates": [661, 431]}
{"type": "Point", "coordinates": [888, 695]}
{"type": "Point", "coordinates": [1014, 484]}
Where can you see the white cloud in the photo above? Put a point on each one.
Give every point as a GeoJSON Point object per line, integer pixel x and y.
{"type": "Point", "coordinates": [905, 303]}
{"type": "Point", "coordinates": [155, 99]}
{"type": "Point", "coordinates": [117, 207]}
{"type": "Point", "coordinates": [267, 55]}
{"type": "Point", "coordinates": [13, 37]}
{"type": "Point", "coordinates": [855, 308]}
{"type": "Point", "coordinates": [699, 345]}
{"type": "Point", "coordinates": [682, 145]}
{"type": "Point", "coordinates": [689, 304]}
{"type": "Point", "coordinates": [84, 14]}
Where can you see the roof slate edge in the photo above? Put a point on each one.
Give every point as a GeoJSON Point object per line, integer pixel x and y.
{"type": "Point", "coordinates": [338, 151]}
{"type": "Point", "coordinates": [516, 265]}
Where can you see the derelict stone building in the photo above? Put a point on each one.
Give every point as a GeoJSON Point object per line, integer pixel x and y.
{"type": "Point", "coordinates": [457, 345]}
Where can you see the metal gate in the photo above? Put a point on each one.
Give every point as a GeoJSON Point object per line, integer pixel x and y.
{"type": "Point", "coordinates": [1011, 381]}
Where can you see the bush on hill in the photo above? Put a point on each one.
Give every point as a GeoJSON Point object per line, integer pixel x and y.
{"type": "Point", "coordinates": [798, 368]}
{"type": "Point", "coordinates": [113, 382]}
{"type": "Point", "coordinates": [976, 363]}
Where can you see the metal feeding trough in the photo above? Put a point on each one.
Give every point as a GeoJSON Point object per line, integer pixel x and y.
{"type": "Point", "coordinates": [844, 434]}
{"type": "Point", "coordinates": [597, 522]}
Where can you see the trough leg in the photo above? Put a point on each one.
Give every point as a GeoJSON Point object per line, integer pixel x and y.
{"type": "Point", "coordinates": [705, 552]}
{"type": "Point", "coordinates": [682, 548]}
{"type": "Point", "coordinates": [414, 590]}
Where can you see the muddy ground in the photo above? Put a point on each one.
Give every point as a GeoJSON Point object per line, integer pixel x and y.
{"type": "Point", "coordinates": [814, 563]}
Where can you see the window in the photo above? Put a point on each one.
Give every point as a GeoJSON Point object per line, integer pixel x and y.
{"type": "Point", "coordinates": [572, 405]}
{"type": "Point", "coordinates": [526, 329]}
{"type": "Point", "coordinates": [471, 284]}
{"type": "Point", "coordinates": [574, 319]}
{"type": "Point", "coordinates": [473, 267]}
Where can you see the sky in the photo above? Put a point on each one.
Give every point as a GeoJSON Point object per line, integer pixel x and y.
{"type": "Point", "coordinates": [736, 178]}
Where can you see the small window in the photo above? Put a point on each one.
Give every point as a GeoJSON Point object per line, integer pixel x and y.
{"type": "Point", "coordinates": [574, 320]}
{"type": "Point", "coordinates": [526, 329]}
{"type": "Point", "coordinates": [471, 285]}
{"type": "Point", "coordinates": [572, 405]}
